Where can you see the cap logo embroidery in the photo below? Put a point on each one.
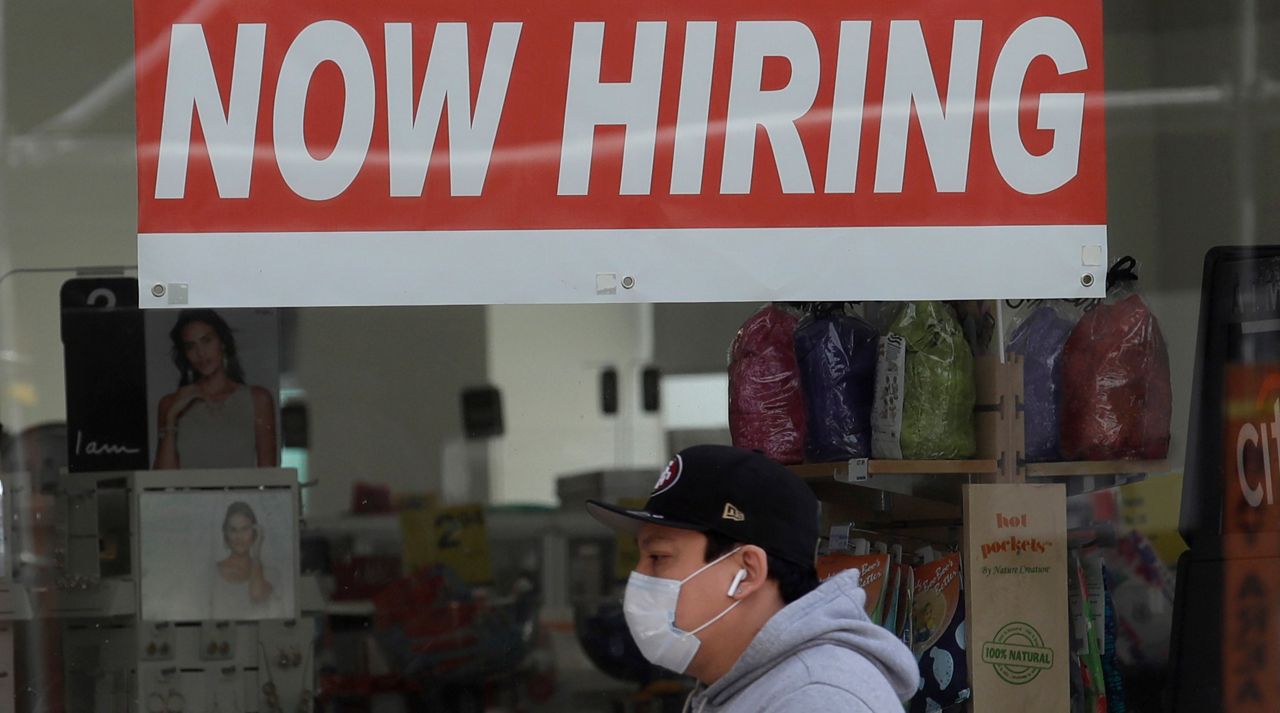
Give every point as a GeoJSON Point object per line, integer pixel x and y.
{"type": "Point", "coordinates": [669, 476]}
{"type": "Point", "coordinates": [733, 513]}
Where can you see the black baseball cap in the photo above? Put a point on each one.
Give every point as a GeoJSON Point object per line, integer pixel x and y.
{"type": "Point", "coordinates": [740, 494]}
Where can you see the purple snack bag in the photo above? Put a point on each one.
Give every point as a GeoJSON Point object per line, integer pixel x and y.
{"type": "Point", "coordinates": [836, 354]}
{"type": "Point", "coordinates": [1040, 339]}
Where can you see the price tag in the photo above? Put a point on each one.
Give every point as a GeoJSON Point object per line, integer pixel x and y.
{"type": "Point", "coordinates": [417, 530]}
{"type": "Point", "coordinates": [462, 543]}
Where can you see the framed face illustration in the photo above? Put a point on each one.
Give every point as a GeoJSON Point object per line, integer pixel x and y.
{"type": "Point", "coordinates": [220, 555]}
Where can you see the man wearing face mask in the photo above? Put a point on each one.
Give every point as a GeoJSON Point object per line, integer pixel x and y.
{"type": "Point", "coordinates": [726, 592]}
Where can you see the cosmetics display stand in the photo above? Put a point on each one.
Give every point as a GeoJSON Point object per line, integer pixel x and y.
{"type": "Point", "coordinates": [136, 573]}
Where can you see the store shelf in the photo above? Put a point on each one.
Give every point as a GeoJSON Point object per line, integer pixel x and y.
{"type": "Point", "coordinates": [358, 608]}
{"type": "Point", "coordinates": [936, 480]}
{"type": "Point", "coordinates": [850, 471]}
{"type": "Point", "coordinates": [1084, 477]}
{"type": "Point", "coordinates": [1078, 469]}
{"type": "Point", "coordinates": [501, 523]}
{"type": "Point", "coordinates": [113, 597]}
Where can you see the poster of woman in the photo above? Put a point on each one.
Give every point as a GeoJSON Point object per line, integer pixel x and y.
{"type": "Point", "coordinates": [244, 585]}
{"type": "Point", "coordinates": [213, 379]}
{"type": "Point", "coordinates": [225, 556]}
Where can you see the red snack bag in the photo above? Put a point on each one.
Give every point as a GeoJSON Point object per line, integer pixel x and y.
{"type": "Point", "coordinates": [766, 401]}
{"type": "Point", "coordinates": [1116, 395]}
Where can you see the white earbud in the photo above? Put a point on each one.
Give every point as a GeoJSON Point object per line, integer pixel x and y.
{"type": "Point", "coordinates": [737, 580]}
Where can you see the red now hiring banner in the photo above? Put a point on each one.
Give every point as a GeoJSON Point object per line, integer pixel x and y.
{"type": "Point", "coordinates": [408, 152]}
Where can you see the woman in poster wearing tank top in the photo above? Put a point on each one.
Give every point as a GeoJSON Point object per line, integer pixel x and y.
{"type": "Point", "coordinates": [214, 419]}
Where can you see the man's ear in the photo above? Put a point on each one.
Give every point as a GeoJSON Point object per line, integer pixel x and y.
{"type": "Point", "coordinates": [756, 565]}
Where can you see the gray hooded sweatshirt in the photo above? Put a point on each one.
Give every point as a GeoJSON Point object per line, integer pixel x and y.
{"type": "Point", "coordinates": [820, 653]}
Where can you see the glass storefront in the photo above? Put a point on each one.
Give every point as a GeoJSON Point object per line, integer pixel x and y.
{"type": "Point", "coordinates": [382, 508]}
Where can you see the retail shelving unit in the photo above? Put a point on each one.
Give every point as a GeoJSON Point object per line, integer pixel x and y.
{"type": "Point", "coordinates": [922, 499]}
{"type": "Point", "coordinates": [1080, 469]}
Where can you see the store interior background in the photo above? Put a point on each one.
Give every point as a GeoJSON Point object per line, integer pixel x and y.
{"type": "Point", "coordinates": [382, 384]}
{"type": "Point", "coordinates": [1193, 122]}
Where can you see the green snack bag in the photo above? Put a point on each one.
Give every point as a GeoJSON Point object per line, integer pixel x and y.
{"type": "Point", "coordinates": [938, 385]}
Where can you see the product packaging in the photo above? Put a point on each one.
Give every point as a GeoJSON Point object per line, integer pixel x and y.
{"type": "Point", "coordinates": [979, 320]}
{"type": "Point", "coordinates": [881, 315]}
{"type": "Point", "coordinates": [1039, 338]}
{"type": "Point", "coordinates": [886, 411]}
{"type": "Point", "coordinates": [891, 595]}
{"type": "Point", "coordinates": [1143, 588]}
{"type": "Point", "coordinates": [906, 598]}
{"type": "Point", "coordinates": [1085, 647]}
{"type": "Point", "coordinates": [1076, 684]}
{"type": "Point", "coordinates": [1096, 588]}
{"type": "Point", "coordinates": [1116, 394]}
{"type": "Point", "coordinates": [766, 400]}
{"type": "Point", "coordinates": [1080, 701]}
{"type": "Point", "coordinates": [1110, 666]}
{"type": "Point", "coordinates": [836, 353]}
{"type": "Point", "coordinates": [939, 641]}
{"type": "Point", "coordinates": [937, 393]}
{"type": "Point", "coordinates": [873, 573]}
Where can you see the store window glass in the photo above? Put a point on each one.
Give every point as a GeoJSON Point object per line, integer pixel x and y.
{"type": "Point", "coordinates": [384, 508]}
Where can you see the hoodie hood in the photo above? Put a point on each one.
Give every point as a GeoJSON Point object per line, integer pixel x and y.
{"type": "Point", "coordinates": [832, 614]}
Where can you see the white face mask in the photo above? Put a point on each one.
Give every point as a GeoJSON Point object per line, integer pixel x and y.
{"type": "Point", "coordinates": [650, 608]}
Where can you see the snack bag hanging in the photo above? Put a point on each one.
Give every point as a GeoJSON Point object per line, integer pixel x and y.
{"type": "Point", "coordinates": [1110, 665]}
{"type": "Point", "coordinates": [892, 596]}
{"type": "Point", "coordinates": [939, 638]}
{"type": "Point", "coordinates": [1116, 395]}
{"type": "Point", "coordinates": [873, 572]}
{"type": "Point", "coordinates": [1039, 339]}
{"type": "Point", "coordinates": [906, 600]}
{"type": "Point", "coordinates": [938, 390]}
{"type": "Point", "coordinates": [1085, 644]}
{"type": "Point", "coordinates": [836, 354]}
{"type": "Point", "coordinates": [886, 409]}
{"type": "Point", "coordinates": [766, 401]}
